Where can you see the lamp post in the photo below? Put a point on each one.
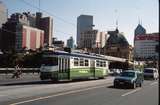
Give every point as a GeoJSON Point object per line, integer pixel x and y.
{"type": "Point", "coordinates": [98, 46]}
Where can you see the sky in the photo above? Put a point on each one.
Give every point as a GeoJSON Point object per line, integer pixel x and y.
{"type": "Point", "coordinates": [104, 12]}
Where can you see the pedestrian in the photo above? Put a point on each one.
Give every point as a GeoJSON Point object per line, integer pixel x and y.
{"type": "Point", "coordinates": [16, 72]}
{"type": "Point", "coordinates": [20, 70]}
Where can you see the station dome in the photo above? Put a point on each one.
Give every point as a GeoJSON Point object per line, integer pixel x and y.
{"type": "Point", "coordinates": [116, 38]}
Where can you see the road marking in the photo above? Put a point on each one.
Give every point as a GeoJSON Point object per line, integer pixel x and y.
{"type": "Point", "coordinates": [154, 83]}
{"type": "Point", "coordinates": [130, 92]}
{"type": "Point", "coordinates": [55, 95]}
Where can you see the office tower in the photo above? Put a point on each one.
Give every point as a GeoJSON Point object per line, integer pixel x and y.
{"type": "Point", "coordinates": [84, 23]}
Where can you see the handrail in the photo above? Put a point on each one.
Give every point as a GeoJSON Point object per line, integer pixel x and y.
{"type": "Point", "coordinates": [23, 70]}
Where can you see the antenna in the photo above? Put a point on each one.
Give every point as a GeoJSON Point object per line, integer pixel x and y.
{"type": "Point", "coordinates": [139, 20]}
{"type": "Point", "coordinates": [117, 23]}
{"type": "Point", "coordinates": [116, 18]}
{"type": "Point", "coordinates": [39, 5]}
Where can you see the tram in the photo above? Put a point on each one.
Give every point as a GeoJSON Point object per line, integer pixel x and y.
{"type": "Point", "coordinates": [60, 65]}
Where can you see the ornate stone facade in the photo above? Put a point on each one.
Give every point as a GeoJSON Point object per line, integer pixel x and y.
{"type": "Point", "coordinates": [118, 46]}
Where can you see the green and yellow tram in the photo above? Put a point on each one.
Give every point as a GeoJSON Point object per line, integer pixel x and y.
{"type": "Point", "coordinates": [58, 65]}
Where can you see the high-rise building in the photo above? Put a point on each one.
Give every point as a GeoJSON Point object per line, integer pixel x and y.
{"type": "Point", "coordinates": [58, 43]}
{"type": "Point", "coordinates": [20, 37]}
{"type": "Point", "coordinates": [139, 30]}
{"type": "Point", "coordinates": [92, 39]}
{"type": "Point", "coordinates": [3, 13]}
{"type": "Point", "coordinates": [84, 23]}
{"type": "Point", "coordinates": [32, 38]}
{"type": "Point", "coordinates": [3, 18]}
{"type": "Point", "coordinates": [17, 34]}
{"type": "Point", "coordinates": [145, 46]}
{"type": "Point", "coordinates": [32, 21]}
{"type": "Point", "coordinates": [46, 24]}
{"type": "Point", "coordinates": [19, 18]}
{"type": "Point", "coordinates": [70, 42]}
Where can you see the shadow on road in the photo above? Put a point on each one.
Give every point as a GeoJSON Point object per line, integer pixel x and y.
{"type": "Point", "coordinates": [120, 87]}
{"type": "Point", "coordinates": [39, 82]}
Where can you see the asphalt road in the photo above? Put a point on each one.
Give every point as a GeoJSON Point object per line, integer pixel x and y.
{"type": "Point", "coordinates": [95, 92]}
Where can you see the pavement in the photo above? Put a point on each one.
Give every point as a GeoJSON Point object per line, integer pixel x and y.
{"type": "Point", "coordinates": [25, 77]}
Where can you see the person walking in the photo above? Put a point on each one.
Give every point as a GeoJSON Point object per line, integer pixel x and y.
{"type": "Point", "coordinates": [16, 72]}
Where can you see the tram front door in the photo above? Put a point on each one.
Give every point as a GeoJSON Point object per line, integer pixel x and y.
{"type": "Point", "coordinates": [63, 68]}
{"type": "Point", "coordinates": [92, 67]}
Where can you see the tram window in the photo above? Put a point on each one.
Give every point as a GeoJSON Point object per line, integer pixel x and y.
{"type": "Point", "coordinates": [101, 64]}
{"type": "Point", "coordinates": [66, 64]}
{"type": "Point", "coordinates": [62, 64]}
{"type": "Point", "coordinates": [86, 62]}
{"type": "Point", "coordinates": [76, 60]}
{"type": "Point", "coordinates": [104, 64]}
{"type": "Point", "coordinates": [50, 61]}
{"type": "Point", "coordinates": [97, 63]}
{"type": "Point", "coordinates": [59, 64]}
{"type": "Point", "coordinates": [81, 62]}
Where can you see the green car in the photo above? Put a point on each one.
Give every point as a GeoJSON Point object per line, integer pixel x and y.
{"type": "Point", "coordinates": [129, 78]}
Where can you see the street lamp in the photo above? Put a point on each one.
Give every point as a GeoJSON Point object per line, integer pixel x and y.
{"type": "Point", "coordinates": [98, 46]}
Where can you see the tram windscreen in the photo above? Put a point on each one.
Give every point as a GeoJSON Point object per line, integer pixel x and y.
{"type": "Point", "coordinates": [50, 61]}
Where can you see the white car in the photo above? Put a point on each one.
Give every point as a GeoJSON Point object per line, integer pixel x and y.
{"type": "Point", "coordinates": [150, 73]}
{"type": "Point", "coordinates": [114, 71]}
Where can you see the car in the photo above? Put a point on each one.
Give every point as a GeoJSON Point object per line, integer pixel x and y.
{"type": "Point", "coordinates": [129, 78]}
{"type": "Point", "coordinates": [150, 73]}
{"type": "Point", "coordinates": [114, 72]}
{"type": "Point", "coordinates": [110, 71]}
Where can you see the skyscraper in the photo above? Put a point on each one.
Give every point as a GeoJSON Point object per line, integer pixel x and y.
{"type": "Point", "coordinates": [3, 14]}
{"type": "Point", "coordinates": [3, 18]}
{"type": "Point", "coordinates": [145, 44]}
{"type": "Point", "coordinates": [139, 30]}
{"type": "Point", "coordinates": [84, 23]}
{"type": "Point", "coordinates": [92, 39]}
{"type": "Point", "coordinates": [46, 24]}
{"type": "Point", "coordinates": [70, 42]}
{"type": "Point", "coordinates": [17, 34]}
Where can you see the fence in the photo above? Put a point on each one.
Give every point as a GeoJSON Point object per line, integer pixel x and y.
{"type": "Point", "coordinates": [24, 70]}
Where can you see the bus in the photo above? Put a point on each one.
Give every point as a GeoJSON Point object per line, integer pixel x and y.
{"type": "Point", "coordinates": [60, 65]}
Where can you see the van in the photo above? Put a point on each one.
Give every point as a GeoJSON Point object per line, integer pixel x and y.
{"type": "Point", "coordinates": [150, 73]}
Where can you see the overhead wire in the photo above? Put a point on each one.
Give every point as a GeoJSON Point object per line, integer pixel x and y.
{"type": "Point", "coordinates": [51, 14]}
